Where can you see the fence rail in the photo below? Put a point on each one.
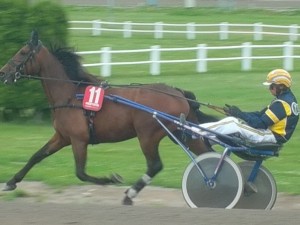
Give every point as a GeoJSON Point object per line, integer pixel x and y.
{"type": "Point", "coordinates": [190, 30]}
{"type": "Point", "coordinates": [200, 60]}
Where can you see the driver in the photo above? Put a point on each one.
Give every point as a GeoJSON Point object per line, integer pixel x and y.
{"type": "Point", "coordinates": [273, 124]}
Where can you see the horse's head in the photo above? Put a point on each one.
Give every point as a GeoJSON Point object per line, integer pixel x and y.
{"type": "Point", "coordinates": [22, 63]}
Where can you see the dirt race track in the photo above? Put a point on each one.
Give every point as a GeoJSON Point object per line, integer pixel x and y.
{"type": "Point", "coordinates": [90, 204]}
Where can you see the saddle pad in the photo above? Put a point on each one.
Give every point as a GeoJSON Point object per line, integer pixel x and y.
{"type": "Point", "coordinates": [93, 98]}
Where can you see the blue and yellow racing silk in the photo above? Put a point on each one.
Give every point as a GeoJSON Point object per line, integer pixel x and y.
{"type": "Point", "coordinates": [281, 117]}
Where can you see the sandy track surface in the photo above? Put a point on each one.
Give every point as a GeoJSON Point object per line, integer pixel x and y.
{"type": "Point", "coordinates": [90, 204]}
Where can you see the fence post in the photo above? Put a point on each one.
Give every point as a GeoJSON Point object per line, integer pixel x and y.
{"type": "Point", "coordinates": [224, 31]}
{"type": "Point", "coordinates": [155, 60]}
{"type": "Point", "coordinates": [189, 3]}
{"type": "Point", "coordinates": [288, 63]}
{"type": "Point", "coordinates": [96, 28]}
{"type": "Point", "coordinates": [127, 29]}
{"type": "Point", "coordinates": [246, 56]}
{"type": "Point", "coordinates": [190, 31]}
{"type": "Point", "coordinates": [105, 61]}
{"type": "Point", "coordinates": [158, 30]}
{"type": "Point", "coordinates": [293, 32]}
{"type": "Point", "coordinates": [201, 56]}
{"type": "Point", "coordinates": [258, 29]}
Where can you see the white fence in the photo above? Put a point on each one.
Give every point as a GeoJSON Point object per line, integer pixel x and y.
{"type": "Point", "coordinates": [190, 30]}
{"type": "Point", "coordinates": [200, 60]}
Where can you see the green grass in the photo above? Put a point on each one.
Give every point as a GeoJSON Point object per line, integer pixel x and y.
{"type": "Point", "coordinates": [19, 142]}
{"type": "Point", "coordinates": [183, 15]}
{"type": "Point", "coordinates": [58, 170]}
{"type": "Point", "coordinates": [223, 83]}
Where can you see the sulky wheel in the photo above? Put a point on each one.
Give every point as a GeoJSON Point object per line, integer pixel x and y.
{"type": "Point", "coordinates": [226, 190]}
{"type": "Point", "coordinates": [262, 193]}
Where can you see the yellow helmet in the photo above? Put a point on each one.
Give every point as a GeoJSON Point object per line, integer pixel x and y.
{"type": "Point", "coordinates": [279, 76]}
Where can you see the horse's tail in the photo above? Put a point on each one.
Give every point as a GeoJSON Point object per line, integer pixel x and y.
{"type": "Point", "coordinates": [195, 107]}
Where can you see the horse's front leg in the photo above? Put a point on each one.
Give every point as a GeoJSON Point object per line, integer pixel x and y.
{"type": "Point", "coordinates": [154, 166]}
{"type": "Point", "coordinates": [53, 145]}
{"type": "Point", "coordinates": [80, 155]}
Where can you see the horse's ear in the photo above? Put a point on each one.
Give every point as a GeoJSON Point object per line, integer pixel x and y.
{"type": "Point", "coordinates": [34, 38]}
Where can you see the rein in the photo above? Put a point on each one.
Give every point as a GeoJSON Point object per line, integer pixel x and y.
{"type": "Point", "coordinates": [55, 79]}
{"type": "Point", "coordinates": [35, 47]}
{"type": "Point", "coordinates": [107, 85]}
{"type": "Point", "coordinates": [208, 105]}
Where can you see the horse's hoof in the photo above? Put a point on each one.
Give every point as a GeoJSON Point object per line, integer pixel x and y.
{"type": "Point", "coordinates": [116, 179]}
{"type": "Point", "coordinates": [9, 187]}
{"type": "Point", "coordinates": [127, 201]}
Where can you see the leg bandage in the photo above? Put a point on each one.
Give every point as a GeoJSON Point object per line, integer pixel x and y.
{"type": "Point", "coordinates": [146, 179]}
{"type": "Point", "coordinates": [131, 193]}
{"type": "Point", "coordinates": [137, 187]}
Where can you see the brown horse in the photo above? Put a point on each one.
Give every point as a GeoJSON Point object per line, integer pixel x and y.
{"type": "Point", "coordinates": [63, 77]}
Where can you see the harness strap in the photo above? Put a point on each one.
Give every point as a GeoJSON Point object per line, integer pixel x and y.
{"type": "Point", "coordinates": [90, 115]}
{"type": "Point", "coordinates": [65, 106]}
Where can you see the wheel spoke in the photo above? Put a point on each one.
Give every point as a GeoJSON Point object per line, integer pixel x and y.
{"type": "Point", "coordinates": [226, 189]}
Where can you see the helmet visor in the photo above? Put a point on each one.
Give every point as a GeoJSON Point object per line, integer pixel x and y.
{"type": "Point", "coordinates": [267, 83]}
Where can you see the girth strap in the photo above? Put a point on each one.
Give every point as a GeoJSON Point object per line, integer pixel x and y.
{"type": "Point", "coordinates": [90, 115]}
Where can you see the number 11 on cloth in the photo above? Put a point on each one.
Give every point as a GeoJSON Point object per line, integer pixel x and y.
{"type": "Point", "coordinates": [93, 98]}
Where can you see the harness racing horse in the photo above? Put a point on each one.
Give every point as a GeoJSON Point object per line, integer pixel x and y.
{"type": "Point", "coordinates": [63, 77]}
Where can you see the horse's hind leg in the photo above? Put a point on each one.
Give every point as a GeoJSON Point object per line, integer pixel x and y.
{"type": "Point", "coordinates": [80, 155]}
{"type": "Point", "coordinates": [154, 166]}
{"type": "Point", "coordinates": [53, 145]}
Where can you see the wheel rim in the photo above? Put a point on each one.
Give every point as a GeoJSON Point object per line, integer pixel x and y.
{"type": "Point", "coordinates": [265, 184]}
{"type": "Point", "coordinates": [228, 186]}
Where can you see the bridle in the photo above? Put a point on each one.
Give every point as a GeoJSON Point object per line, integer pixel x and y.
{"type": "Point", "coordinates": [20, 66]}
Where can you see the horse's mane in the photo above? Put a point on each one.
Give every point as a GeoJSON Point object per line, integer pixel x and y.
{"type": "Point", "coordinates": [72, 65]}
